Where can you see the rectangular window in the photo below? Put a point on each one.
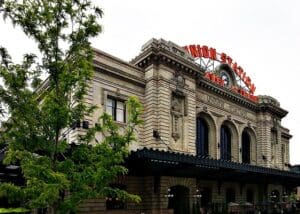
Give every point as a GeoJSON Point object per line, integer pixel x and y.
{"type": "Point", "coordinates": [116, 108]}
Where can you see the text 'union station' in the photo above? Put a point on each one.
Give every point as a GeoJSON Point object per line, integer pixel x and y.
{"type": "Point", "coordinates": [207, 141]}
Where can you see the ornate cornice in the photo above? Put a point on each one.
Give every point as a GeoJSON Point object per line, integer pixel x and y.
{"type": "Point", "coordinates": [102, 54]}
{"type": "Point", "coordinates": [161, 52]}
{"type": "Point", "coordinates": [157, 52]}
{"type": "Point", "coordinates": [109, 70]}
{"type": "Point", "coordinates": [286, 135]}
{"type": "Point", "coordinates": [227, 94]}
{"type": "Point", "coordinates": [271, 108]}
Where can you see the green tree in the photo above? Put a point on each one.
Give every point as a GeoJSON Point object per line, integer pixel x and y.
{"type": "Point", "coordinates": [39, 113]}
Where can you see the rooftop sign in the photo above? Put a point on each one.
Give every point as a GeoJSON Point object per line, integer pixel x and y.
{"type": "Point", "coordinates": [208, 57]}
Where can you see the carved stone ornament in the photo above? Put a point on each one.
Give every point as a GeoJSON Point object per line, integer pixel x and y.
{"type": "Point", "coordinates": [176, 127]}
{"type": "Point", "coordinates": [177, 113]}
{"type": "Point", "coordinates": [179, 81]}
{"type": "Point", "coordinates": [177, 105]}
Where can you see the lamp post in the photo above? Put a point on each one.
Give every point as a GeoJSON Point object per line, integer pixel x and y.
{"type": "Point", "coordinates": [198, 194]}
{"type": "Point", "coordinates": [169, 195]}
{"type": "Point", "coordinates": [284, 196]}
{"type": "Point", "coordinates": [197, 198]}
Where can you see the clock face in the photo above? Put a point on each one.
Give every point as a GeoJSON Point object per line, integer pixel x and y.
{"type": "Point", "coordinates": [225, 77]}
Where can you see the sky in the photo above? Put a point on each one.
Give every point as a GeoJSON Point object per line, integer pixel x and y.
{"type": "Point", "coordinates": [263, 36]}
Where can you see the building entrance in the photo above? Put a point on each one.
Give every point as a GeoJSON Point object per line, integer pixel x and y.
{"type": "Point", "coordinates": [179, 200]}
{"type": "Point", "coordinates": [205, 197]}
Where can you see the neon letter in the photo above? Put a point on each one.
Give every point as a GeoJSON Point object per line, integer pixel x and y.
{"type": "Point", "coordinates": [223, 57]}
{"type": "Point", "coordinates": [193, 50]}
{"type": "Point", "coordinates": [212, 53]}
{"type": "Point", "coordinates": [205, 51]}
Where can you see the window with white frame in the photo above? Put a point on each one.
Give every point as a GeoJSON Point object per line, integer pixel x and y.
{"type": "Point", "coordinates": [116, 108]}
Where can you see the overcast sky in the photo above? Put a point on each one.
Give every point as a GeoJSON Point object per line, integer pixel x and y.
{"type": "Point", "coordinates": [263, 36]}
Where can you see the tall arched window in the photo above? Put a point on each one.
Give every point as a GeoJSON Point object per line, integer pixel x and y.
{"type": "Point", "coordinates": [246, 147]}
{"type": "Point", "coordinates": [202, 137]}
{"type": "Point", "coordinates": [225, 143]}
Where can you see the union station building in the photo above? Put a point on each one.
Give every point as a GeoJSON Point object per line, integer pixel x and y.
{"type": "Point", "coordinates": [207, 142]}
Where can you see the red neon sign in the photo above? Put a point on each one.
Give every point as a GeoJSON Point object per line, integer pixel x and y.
{"type": "Point", "coordinates": [216, 79]}
{"type": "Point", "coordinates": [204, 51]}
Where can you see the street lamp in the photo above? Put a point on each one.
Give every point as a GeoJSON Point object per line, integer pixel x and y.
{"type": "Point", "coordinates": [169, 195]}
{"type": "Point", "coordinates": [198, 194]}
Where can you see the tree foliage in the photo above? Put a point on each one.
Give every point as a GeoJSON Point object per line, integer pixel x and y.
{"type": "Point", "coordinates": [39, 112]}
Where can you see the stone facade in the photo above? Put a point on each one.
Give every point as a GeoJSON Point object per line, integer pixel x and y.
{"type": "Point", "coordinates": [174, 94]}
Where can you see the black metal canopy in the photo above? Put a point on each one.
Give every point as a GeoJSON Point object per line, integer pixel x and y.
{"type": "Point", "coordinates": [150, 162]}
{"type": "Point", "coordinates": [147, 162]}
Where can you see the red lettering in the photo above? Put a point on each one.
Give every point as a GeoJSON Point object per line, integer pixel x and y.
{"type": "Point", "coordinates": [242, 92]}
{"type": "Point", "coordinates": [219, 81]}
{"type": "Point", "coordinates": [244, 77]}
{"type": "Point", "coordinates": [205, 52]}
{"type": "Point", "coordinates": [199, 49]}
{"type": "Point", "coordinates": [234, 67]}
{"type": "Point", "coordinates": [222, 82]}
{"type": "Point", "coordinates": [214, 77]}
{"type": "Point", "coordinates": [223, 57]}
{"type": "Point", "coordinates": [229, 60]}
{"type": "Point", "coordinates": [252, 89]}
{"type": "Point", "coordinates": [240, 71]}
{"type": "Point", "coordinates": [193, 50]}
{"type": "Point", "coordinates": [253, 98]}
{"type": "Point", "coordinates": [248, 81]}
{"type": "Point", "coordinates": [234, 88]}
{"type": "Point", "coordinates": [207, 75]}
{"type": "Point", "coordinates": [212, 53]}
{"type": "Point", "coordinates": [186, 48]}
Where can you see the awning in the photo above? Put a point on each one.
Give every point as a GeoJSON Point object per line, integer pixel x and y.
{"type": "Point", "coordinates": [146, 162]}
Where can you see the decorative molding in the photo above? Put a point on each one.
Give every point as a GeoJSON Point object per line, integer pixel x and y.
{"type": "Point", "coordinates": [216, 114]}
{"type": "Point", "coordinates": [178, 107]}
{"type": "Point", "coordinates": [227, 94]}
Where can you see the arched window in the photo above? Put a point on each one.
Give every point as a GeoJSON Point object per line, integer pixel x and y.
{"type": "Point", "coordinates": [225, 143]}
{"type": "Point", "coordinates": [246, 143]}
{"type": "Point", "coordinates": [202, 137]}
